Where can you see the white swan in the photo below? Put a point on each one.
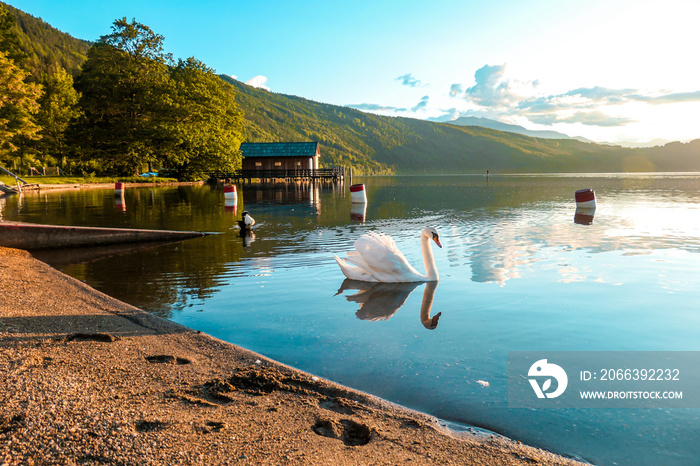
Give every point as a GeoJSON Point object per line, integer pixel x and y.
{"type": "Point", "coordinates": [377, 259]}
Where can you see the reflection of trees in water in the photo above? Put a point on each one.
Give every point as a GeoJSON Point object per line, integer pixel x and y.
{"type": "Point", "coordinates": [139, 278]}
{"type": "Point", "coordinates": [166, 278]}
{"type": "Point", "coordinates": [380, 301]}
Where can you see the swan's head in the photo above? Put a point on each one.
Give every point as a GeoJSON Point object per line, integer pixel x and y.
{"type": "Point", "coordinates": [432, 233]}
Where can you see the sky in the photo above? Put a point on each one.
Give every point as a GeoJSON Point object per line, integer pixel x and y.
{"type": "Point", "coordinates": [616, 71]}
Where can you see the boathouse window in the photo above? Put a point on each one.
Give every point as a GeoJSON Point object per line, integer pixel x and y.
{"type": "Point", "coordinates": [258, 164]}
{"type": "Point", "coordinates": [278, 164]}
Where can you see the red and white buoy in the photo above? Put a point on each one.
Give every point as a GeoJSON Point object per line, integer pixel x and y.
{"type": "Point", "coordinates": [357, 194]}
{"type": "Point", "coordinates": [358, 212]}
{"type": "Point", "coordinates": [230, 195]}
{"type": "Point", "coordinates": [119, 202]}
{"type": "Point", "coordinates": [118, 188]}
{"type": "Point", "coordinates": [584, 216]}
{"type": "Point", "coordinates": [585, 198]}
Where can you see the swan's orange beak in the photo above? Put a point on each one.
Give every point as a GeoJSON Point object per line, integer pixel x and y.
{"type": "Point", "coordinates": [437, 240]}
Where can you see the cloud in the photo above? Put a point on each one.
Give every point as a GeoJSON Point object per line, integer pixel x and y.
{"type": "Point", "coordinates": [593, 118]}
{"type": "Point", "coordinates": [423, 104]}
{"type": "Point", "coordinates": [499, 97]}
{"type": "Point", "coordinates": [409, 80]}
{"type": "Point", "coordinates": [494, 95]}
{"type": "Point", "coordinates": [489, 88]}
{"type": "Point", "coordinates": [675, 98]}
{"type": "Point", "coordinates": [259, 82]}
{"type": "Point", "coordinates": [376, 108]}
{"type": "Point", "coordinates": [492, 89]}
{"type": "Point", "coordinates": [601, 94]}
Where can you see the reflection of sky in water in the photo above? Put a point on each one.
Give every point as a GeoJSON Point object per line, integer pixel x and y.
{"type": "Point", "coordinates": [517, 274]}
{"type": "Point", "coordinates": [504, 247]}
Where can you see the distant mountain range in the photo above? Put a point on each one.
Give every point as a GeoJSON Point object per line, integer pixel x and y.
{"type": "Point", "coordinates": [493, 124]}
{"type": "Point", "coordinates": [374, 144]}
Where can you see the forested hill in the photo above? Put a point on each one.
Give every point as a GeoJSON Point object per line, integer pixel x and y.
{"type": "Point", "coordinates": [378, 144]}
{"type": "Point", "coordinates": [45, 47]}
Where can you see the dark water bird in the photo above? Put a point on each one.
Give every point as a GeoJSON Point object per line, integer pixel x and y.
{"type": "Point", "coordinates": [377, 259]}
{"type": "Point", "coordinates": [246, 222]}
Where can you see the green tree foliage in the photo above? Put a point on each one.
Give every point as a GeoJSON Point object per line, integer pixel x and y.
{"type": "Point", "coordinates": [58, 107]}
{"type": "Point", "coordinates": [39, 48]}
{"type": "Point", "coordinates": [206, 127]}
{"type": "Point", "coordinates": [9, 42]}
{"type": "Point", "coordinates": [140, 110]}
{"type": "Point", "coordinates": [126, 94]}
{"type": "Point", "coordinates": [18, 104]}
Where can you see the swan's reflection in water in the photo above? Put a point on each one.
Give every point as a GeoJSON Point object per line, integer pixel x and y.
{"type": "Point", "coordinates": [380, 301]}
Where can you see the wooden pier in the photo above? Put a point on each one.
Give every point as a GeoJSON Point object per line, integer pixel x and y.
{"type": "Point", "coordinates": [285, 175]}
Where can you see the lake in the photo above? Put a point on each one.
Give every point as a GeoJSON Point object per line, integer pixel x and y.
{"type": "Point", "coordinates": [519, 271]}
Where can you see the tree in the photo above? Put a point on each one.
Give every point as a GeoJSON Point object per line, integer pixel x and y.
{"type": "Point", "coordinates": [9, 43]}
{"type": "Point", "coordinates": [18, 103]}
{"type": "Point", "coordinates": [58, 107]}
{"type": "Point", "coordinates": [206, 125]}
{"type": "Point", "coordinates": [125, 96]}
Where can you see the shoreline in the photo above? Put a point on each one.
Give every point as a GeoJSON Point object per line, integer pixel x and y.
{"type": "Point", "coordinates": [73, 186]}
{"type": "Point", "coordinates": [92, 380]}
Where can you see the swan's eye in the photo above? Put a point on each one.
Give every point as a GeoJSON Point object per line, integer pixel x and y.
{"type": "Point", "coordinates": [435, 236]}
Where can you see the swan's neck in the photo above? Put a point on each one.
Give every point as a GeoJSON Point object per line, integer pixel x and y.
{"type": "Point", "coordinates": [431, 273]}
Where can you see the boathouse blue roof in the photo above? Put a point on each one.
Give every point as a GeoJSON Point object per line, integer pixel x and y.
{"type": "Point", "coordinates": [279, 149]}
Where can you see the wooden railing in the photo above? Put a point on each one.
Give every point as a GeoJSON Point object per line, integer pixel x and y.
{"type": "Point", "coordinates": [287, 174]}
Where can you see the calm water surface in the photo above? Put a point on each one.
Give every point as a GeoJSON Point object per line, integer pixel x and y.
{"type": "Point", "coordinates": [517, 273]}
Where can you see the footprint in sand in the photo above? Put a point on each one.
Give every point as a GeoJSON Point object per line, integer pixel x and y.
{"type": "Point", "coordinates": [167, 359]}
{"type": "Point", "coordinates": [102, 337]}
{"type": "Point", "coordinates": [351, 433]}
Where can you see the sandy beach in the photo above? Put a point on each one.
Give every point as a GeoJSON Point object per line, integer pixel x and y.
{"type": "Point", "coordinates": [88, 379]}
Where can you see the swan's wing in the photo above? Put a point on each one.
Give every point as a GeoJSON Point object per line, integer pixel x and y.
{"type": "Point", "coordinates": [383, 259]}
{"type": "Point", "coordinates": [354, 271]}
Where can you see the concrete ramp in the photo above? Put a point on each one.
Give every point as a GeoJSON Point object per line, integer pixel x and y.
{"type": "Point", "coordinates": [35, 236]}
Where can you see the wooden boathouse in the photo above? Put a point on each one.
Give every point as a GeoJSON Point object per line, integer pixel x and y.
{"type": "Point", "coordinates": [289, 161]}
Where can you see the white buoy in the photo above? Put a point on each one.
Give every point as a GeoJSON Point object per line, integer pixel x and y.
{"type": "Point", "coordinates": [357, 194]}
{"type": "Point", "coordinates": [231, 195]}
{"type": "Point", "coordinates": [585, 198]}
{"type": "Point", "coordinates": [118, 188]}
